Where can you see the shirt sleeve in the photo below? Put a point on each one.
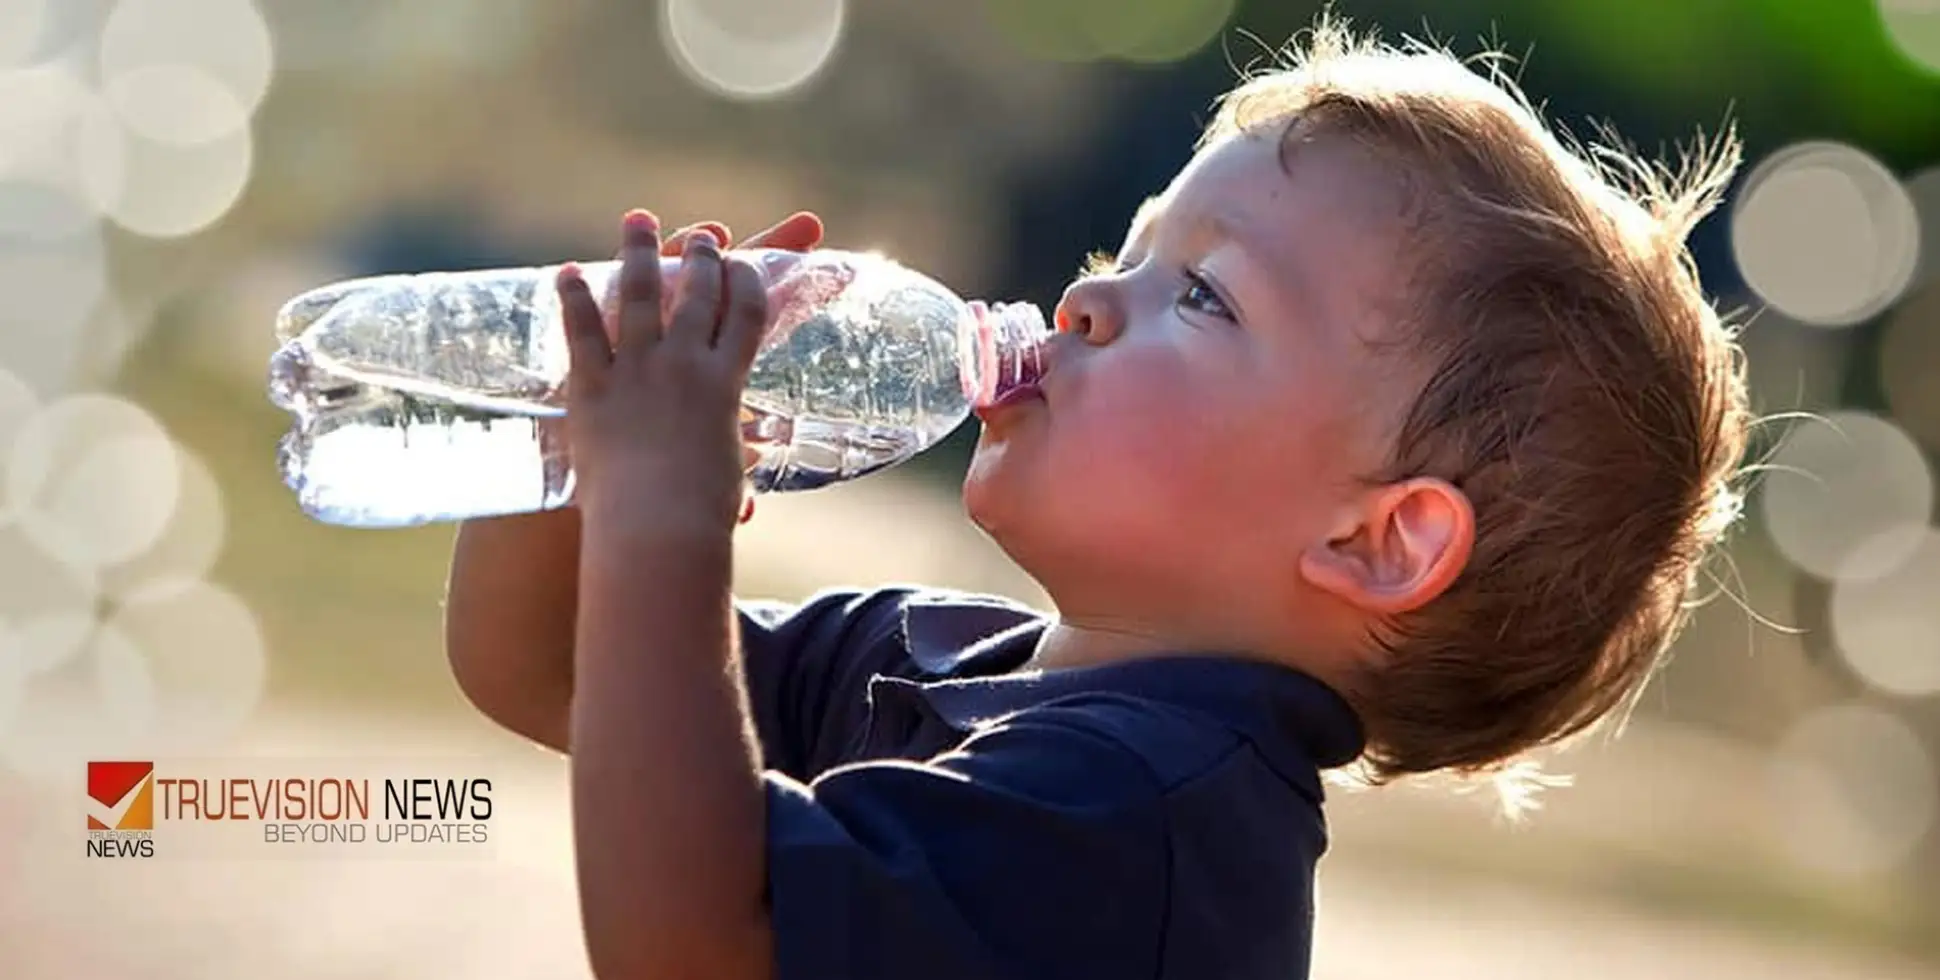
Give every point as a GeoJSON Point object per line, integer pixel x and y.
{"type": "Point", "coordinates": [808, 666]}
{"type": "Point", "coordinates": [1037, 849]}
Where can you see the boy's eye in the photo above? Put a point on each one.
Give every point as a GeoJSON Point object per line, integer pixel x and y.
{"type": "Point", "coordinates": [1200, 295]}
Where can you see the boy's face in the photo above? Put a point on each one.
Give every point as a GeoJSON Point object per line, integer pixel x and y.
{"type": "Point", "coordinates": [1211, 401]}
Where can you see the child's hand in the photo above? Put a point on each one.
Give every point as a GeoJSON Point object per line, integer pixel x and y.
{"type": "Point", "coordinates": [655, 417]}
{"type": "Point", "coordinates": [799, 232]}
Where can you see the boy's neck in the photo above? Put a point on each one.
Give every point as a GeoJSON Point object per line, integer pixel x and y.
{"type": "Point", "coordinates": [1067, 644]}
{"type": "Point", "coordinates": [1072, 642]}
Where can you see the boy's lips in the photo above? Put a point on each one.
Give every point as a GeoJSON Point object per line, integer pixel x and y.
{"type": "Point", "coordinates": [1026, 392]}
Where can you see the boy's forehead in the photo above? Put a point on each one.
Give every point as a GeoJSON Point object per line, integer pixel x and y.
{"type": "Point", "coordinates": [1317, 224]}
{"type": "Point", "coordinates": [1221, 183]}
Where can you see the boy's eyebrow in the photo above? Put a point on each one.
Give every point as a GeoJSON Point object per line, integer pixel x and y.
{"type": "Point", "coordinates": [1222, 224]}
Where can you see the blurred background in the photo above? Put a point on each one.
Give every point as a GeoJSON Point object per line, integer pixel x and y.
{"type": "Point", "coordinates": [172, 170]}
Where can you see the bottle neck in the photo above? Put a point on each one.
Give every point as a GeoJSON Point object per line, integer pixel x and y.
{"type": "Point", "coordinates": [1002, 350]}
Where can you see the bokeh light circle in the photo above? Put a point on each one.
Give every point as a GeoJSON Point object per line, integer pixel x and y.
{"type": "Point", "coordinates": [227, 40]}
{"type": "Point", "coordinates": [183, 658]}
{"type": "Point", "coordinates": [1838, 482]}
{"type": "Point", "coordinates": [37, 107]}
{"type": "Point", "coordinates": [61, 722]}
{"type": "Point", "coordinates": [1852, 790]}
{"type": "Point", "coordinates": [178, 667]}
{"type": "Point", "coordinates": [752, 49]}
{"type": "Point", "coordinates": [1887, 625]}
{"type": "Point", "coordinates": [1053, 31]}
{"type": "Point", "coordinates": [1138, 31]}
{"type": "Point", "coordinates": [156, 189]}
{"type": "Point", "coordinates": [52, 640]}
{"type": "Point", "coordinates": [190, 543]}
{"type": "Point", "coordinates": [125, 685]}
{"type": "Point", "coordinates": [1825, 234]}
{"type": "Point", "coordinates": [176, 105]}
{"type": "Point", "coordinates": [168, 151]}
{"type": "Point", "coordinates": [1914, 26]}
{"type": "Point", "coordinates": [49, 603]}
{"type": "Point", "coordinates": [1174, 29]}
{"type": "Point", "coordinates": [93, 480]}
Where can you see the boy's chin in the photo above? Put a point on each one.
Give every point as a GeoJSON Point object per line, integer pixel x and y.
{"type": "Point", "coordinates": [999, 503]}
{"type": "Point", "coordinates": [991, 495]}
{"type": "Point", "coordinates": [1008, 528]}
{"type": "Point", "coordinates": [993, 482]}
{"type": "Point", "coordinates": [978, 496]}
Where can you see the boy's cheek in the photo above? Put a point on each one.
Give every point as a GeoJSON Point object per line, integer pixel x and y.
{"type": "Point", "coordinates": [1151, 420]}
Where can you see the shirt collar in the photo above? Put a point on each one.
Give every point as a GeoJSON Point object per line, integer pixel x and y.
{"type": "Point", "coordinates": [970, 652]}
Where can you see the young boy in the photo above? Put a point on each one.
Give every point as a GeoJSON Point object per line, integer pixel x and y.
{"type": "Point", "coordinates": [1393, 435]}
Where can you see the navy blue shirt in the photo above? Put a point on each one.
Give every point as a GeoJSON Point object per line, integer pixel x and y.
{"type": "Point", "coordinates": [936, 813]}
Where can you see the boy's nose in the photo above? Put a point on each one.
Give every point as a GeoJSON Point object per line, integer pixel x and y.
{"type": "Point", "coordinates": [1092, 309]}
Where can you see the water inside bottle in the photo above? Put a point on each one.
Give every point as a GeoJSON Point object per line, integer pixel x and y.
{"type": "Point", "coordinates": [385, 459]}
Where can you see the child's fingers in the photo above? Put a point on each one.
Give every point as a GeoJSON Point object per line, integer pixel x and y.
{"type": "Point", "coordinates": [587, 349]}
{"type": "Point", "coordinates": [799, 232]}
{"type": "Point", "coordinates": [676, 243]}
{"type": "Point", "coordinates": [746, 319]}
{"type": "Point", "coordinates": [697, 310]}
{"type": "Point", "coordinates": [639, 290]}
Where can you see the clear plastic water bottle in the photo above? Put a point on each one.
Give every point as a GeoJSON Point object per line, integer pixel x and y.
{"type": "Point", "coordinates": [440, 396]}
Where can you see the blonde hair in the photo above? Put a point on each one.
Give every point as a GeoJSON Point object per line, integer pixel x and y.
{"type": "Point", "coordinates": [1582, 392]}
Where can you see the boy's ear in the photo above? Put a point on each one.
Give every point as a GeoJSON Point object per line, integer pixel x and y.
{"type": "Point", "coordinates": [1407, 544]}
